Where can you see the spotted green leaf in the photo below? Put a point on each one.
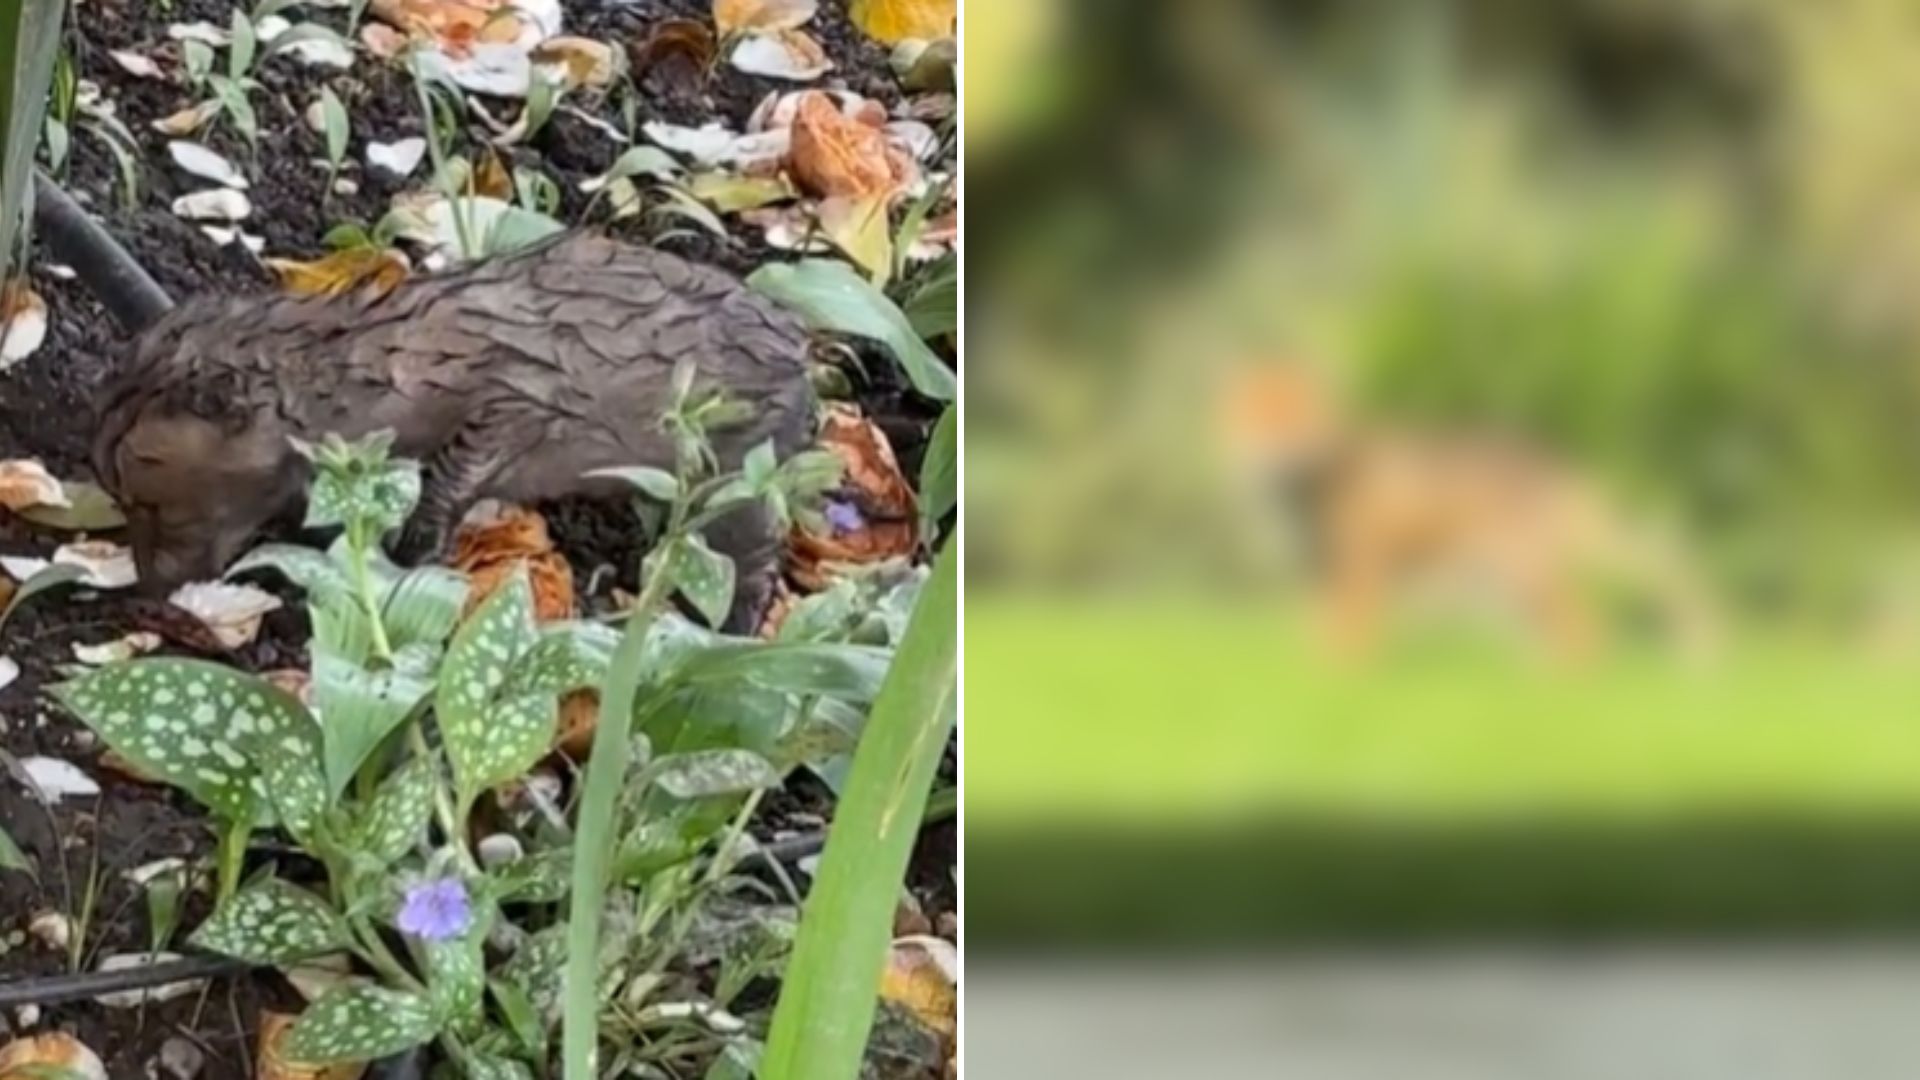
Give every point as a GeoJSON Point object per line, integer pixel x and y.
{"type": "Point", "coordinates": [312, 570]}
{"type": "Point", "coordinates": [383, 494]}
{"type": "Point", "coordinates": [851, 672]}
{"type": "Point", "coordinates": [285, 748]}
{"type": "Point", "coordinates": [482, 1067]}
{"type": "Point", "coordinates": [518, 732]}
{"type": "Point", "coordinates": [457, 977]}
{"type": "Point", "coordinates": [359, 1023]}
{"type": "Point", "coordinates": [567, 657]}
{"type": "Point", "coordinates": [708, 773]}
{"type": "Point", "coordinates": [423, 606]}
{"type": "Point", "coordinates": [535, 967]}
{"type": "Point", "coordinates": [360, 708]}
{"type": "Point", "coordinates": [184, 721]}
{"type": "Point", "coordinates": [477, 665]}
{"type": "Point", "coordinates": [272, 922]}
{"type": "Point", "coordinates": [704, 576]}
{"type": "Point", "coordinates": [539, 878]}
{"type": "Point", "coordinates": [399, 812]}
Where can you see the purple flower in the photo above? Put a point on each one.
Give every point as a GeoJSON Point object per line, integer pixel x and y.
{"type": "Point", "coordinates": [844, 517]}
{"type": "Point", "coordinates": [436, 910]}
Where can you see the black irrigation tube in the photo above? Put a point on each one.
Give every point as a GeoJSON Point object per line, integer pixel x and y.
{"type": "Point", "coordinates": [127, 291]}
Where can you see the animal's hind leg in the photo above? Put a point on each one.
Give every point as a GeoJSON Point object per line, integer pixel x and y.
{"type": "Point", "coordinates": [750, 535]}
{"type": "Point", "coordinates": [452, 480]}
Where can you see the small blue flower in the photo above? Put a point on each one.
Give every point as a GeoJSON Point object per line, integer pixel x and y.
{"type": "Point", "coordinates": [436, 910]}
{"type": "Point", "coordinates": [844, 516]}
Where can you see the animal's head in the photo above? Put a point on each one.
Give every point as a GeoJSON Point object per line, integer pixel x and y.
{"type": "Point", "coordinates": [197, 474]}
{"type": "Point", "coordinates": [1281, 418]}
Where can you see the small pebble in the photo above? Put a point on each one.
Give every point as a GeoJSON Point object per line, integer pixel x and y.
{"type": "Point", "coordinates": [16, 938]}
{"type": "Point", "coordinates": [180, 1059]}
{"type": "Point", "coordinates": [27, 1016]}
{"type": "Point", "coordinates": [52, 928]}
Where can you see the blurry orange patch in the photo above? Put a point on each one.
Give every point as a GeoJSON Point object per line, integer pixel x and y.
{"type": "Point", "coordinates": [343, 271]}
{"type": "Point", "coordinates": [579, 716]}
{"type": "Point", "coordinates": [456, 25]}
{"type": "Point", "coordinates": [488, 551]}
{"type": "Point", "coordinates": [833, 155]}
{"type": "Point", "coordinates": [886, 505]}
{"type": "Point", "coordinates": [923, 976]}
{"type": "Point", "coordinates": [491, 178]}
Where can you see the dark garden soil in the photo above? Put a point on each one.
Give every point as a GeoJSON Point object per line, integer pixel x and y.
{"type": "Point", "coordinates": [45, 406]}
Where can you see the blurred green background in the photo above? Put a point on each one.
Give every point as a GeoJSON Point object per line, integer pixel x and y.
{"type": "Point", "coordinates": [1674, 244]}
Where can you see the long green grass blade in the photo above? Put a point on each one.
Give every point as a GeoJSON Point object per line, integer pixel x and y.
{"type": "Point", "coordinates": [827, 1004]}
{"type": "Point", "coordinates": [29, 43]}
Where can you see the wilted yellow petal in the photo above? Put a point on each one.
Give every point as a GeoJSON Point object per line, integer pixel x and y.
{"type": "Point", "coordinates": [894, 21]}
{"type": "Point", "coordinates": [761, 16]}
{"type": "Point", "coordinates": [731, 194]}
{"type": "Point", "coordinates": [922, 975]}
{"type": "Point", "coordinates": [342, 272]}
{"type": "Point", "coordinates": [858, 226]}
{"type": "Point", "coordinates": [587, 62]}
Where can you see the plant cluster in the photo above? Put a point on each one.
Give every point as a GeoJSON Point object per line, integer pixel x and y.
{"type": "Point", "coordinates": [230, 91]}
{"type": "Point", "coordinates": [417, 713]}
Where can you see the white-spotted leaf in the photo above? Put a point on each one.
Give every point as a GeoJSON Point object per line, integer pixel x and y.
{"type": "Point", "coordinates": [285, 749]}
{"type": "Point", "coordinates": [185, 722]}
{"type": "Point", "coordinates": [398, 815]}
{"type": "Point", "coordinates": [384, 496]}
{"type": "Point", "coordinates": [708, 773]}
{"type": "Point", "coordinates": [361, 708]}
{"type": "Point", "coordinates": [359, 1023]}
{"type": "Point", "coordinates": [423, 606]}
{"type": "Point", "coordinates": [567, 657]}
{"type": "Point", "coordinates": [457, 977]}
{"type": "Point", "coordinates": [476, 667]}
{"type": "Point", "coordinates": [481, 1067]}
{"type": "Point", "coordinates": [341, 630]}
{"type": "Point", "coordinates": [272, 922]}
{"type": "Point", "coordinates": [706, 578]}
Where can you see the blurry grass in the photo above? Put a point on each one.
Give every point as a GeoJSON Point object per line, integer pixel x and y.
{"type": "Point", "coordinates": [1180, 709]}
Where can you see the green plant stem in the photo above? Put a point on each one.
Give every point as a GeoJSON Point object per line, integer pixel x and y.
{"type": "Point", "coordinates": [827, 1002]}
{"type": "Point", "coordinates": [231, 854]}
{"type": "Point", "coordinates": [357, 545]}
{"type": "Point", "coordinates": [375, 952]}
{"type": "Point", "coordinates": [593, 846]}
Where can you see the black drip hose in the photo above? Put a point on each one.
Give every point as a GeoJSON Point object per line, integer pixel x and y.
{"type": "Point", "coordinates": [128, 292]}
{"type": "Point", "coordinates": [54, 989]}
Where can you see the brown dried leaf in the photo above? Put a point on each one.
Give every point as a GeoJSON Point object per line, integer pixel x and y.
{"type": "Point", "coordinates": [923, 974]}
{"type": "Point", "coordinates": [579, 717]}
{"type": "Point", "coordinates": [455, 25]}
{"type": "Point", "coordinates": [587, 62]}
{"type": "Point", "coordinates": [56, 1054]}
{"type": "Point", "coordinates": [677, 54]}
{"type": "Point", "coordinates": [343, 271]}
{"type": "Point", "coordinates": [491, 179]}
{"type": "Point", "coordinates": [25, 482]}
{"type": "Point", "coordinates": [860, 228]}
{"type": "Point", "coordinates": [886, 503]}
{"type": "Point", "coordinates": [188, 120]}
{"type": "Point", "coordinates": [833, 155]}
{"type": "Point", "coordinates": [894, 21]}
{"type": "Point", "coordinates": [487, 552]}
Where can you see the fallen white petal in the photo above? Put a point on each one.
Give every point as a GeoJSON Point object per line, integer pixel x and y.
{"type": "Point", "coordinates": [57, 778]}
{"type": "Point", "coordinates": [24, 483]}
{"type": "Point", "coordinates": [120, 650]}
{"type": "Point", "coordinates": [790, 55]}
{"type": "Point", "coordinates": [9, 671]}
{"type": "Point", "coordinates": [915, 138]}
{"type": "Point", "coordinates": [146, 872]}
{"type": "Point", "coordinates": [221, 204]}
{"type": "Point", "coordinates": [502, 69]}
{"type": "Point", "coordinates": [269, 28]}
{"type": "Point", "coordinates": [704, 144]}
{"type": "Point", "coordinates": [202, 162]}
{"type": "Point", "coordinates": [399, 158]}
{"type": "Point", "coordinates": [108, 565]}
{"type": "Point", "coordinates": [130, 999]}
{"type": "Point", "coordinates": [136, 64]}
{"type": "Point", "coordinates": [322, 52]}
{"type": "Point", "coordinates": [232, 612]}
{"type": "Point", "coordinates": [25, 328]}
{"type": "Point", "coordinates": [53, 929]}
{"type": "Point", "coordinates": [204, 32]}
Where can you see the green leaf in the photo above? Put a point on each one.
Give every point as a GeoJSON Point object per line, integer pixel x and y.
{"type": "Point", "coordinates": [294, 35]}
{"type": "Point", "coordinates": [185, 722]}
{"type": "Point", "coordinates": [423, 605]}
{"type": "Point", "coordinates": [737, 1062]}
{"type": "Point", "coordinates": [934, 307]}
{"type": "Point", "coordinates": [852, 672]}
{"type": "Point", "coordinates": [706, 774]}
{"type": "Point", "coordinates": [360, 1023]}
{"type": "Point", "coordinates": [399, 813]}
{"type": "Point", "coordinates": [658, 484]}
{"type": "Point", "coordinates": [567, 657]}
{"type": "Point", "coordinates": [240, 52]}
{"type": "Point", "coordinates": [285, 748]}
{"type": "Point", "coordinates": [345, 237]}
{"type": "Point", "coordinates": [457, 976]}
{"type": "Point", "coordinates": [366, 486]}
{"type": "Point", "coordinates": [272, 922]}
{"type": "Point", "coordinates": [831, 296]}
{"type": "Point", "coordinates": [522, 1019]}
{"type": "Point", "coordinates": [54, 576]}
{"type": "Point", "coordinates": [940, 472]}
{"type": "Point", "coordinates": [485, 1067]}
{"type": "Point", "coordinates": [12, 858]}
{"type": "Point", "coordinates": [535, 968]}
{"type": "Point", "coordinates": [540, 878]}
{"type": "Point", "coordinates": [706, 578]}
{"type": "Point", "coordinates": [514, 228]}
{"type": "Point", "coordinates": [361, 709]}
{"type": "Point", "coordinates": [334, 117]}
{"type": "Point", "coordinates": [89, 509]}
{"type": "Point", "coordinates": [649, 160]}
{"type": "Point", "coordinates": [29, 44]}
{"type": "Point", "coordinates": [340, 630]}
{"type": "Point", "coordinates": [198, 58]}
{"type": "Point", "coordinates": [827, 998]}
{"type": "Point", "coordinates": [309, 568]}
{"type": "Point", "coordinates": [482, 739]}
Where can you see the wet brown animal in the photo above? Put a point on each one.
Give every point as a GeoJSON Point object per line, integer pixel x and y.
{"type": "Point", "coordinates": [509, 380]}
{"type": "Point", "coordinates": [1384, 510]}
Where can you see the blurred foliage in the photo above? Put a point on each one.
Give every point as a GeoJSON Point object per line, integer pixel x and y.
{"type": "Point", "coordinates": [1674, 241]}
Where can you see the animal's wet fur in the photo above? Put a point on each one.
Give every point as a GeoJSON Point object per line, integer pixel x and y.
{"type": "Point", "coordinates": [510, 380]}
